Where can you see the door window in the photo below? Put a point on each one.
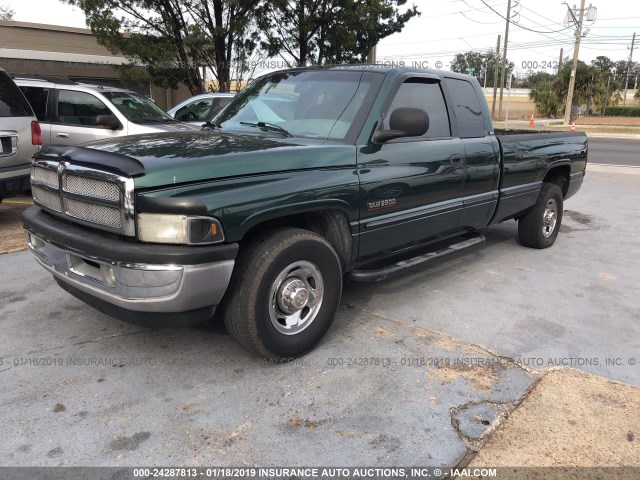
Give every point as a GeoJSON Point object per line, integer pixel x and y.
{"type": "Point", "coordinates": [467, 107]}
{"type": "Point", "coordinates": [425, 95]}
{"type": "Point", "coordinates": [80, 108]}
{"type": "Point", "coordinates": [219, 105]}
{"type": "Point", "coordinates": [12, 101]}
{"type": "Point", "coordinates": [194, 111]}
{"type": "Point", "coordinates": [38, 97]}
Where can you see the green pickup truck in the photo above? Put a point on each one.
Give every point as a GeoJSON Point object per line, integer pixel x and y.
{"type": "Point", "coordinates": [309, 175]}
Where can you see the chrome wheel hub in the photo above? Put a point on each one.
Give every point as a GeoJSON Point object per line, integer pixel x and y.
{"type": "Point", "coordinates": [549, 218]}
{"type": "Point", "coordinates": [293, 295]}
{"type": "Point", "coordinates": [296, 297]}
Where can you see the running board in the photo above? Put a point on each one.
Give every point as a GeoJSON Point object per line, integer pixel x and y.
{"type": "Point", "coordinates": [404, 265]}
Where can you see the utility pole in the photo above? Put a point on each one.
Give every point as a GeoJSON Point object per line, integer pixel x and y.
{"type": "Point", "coordinates": [495, 78]}
{"type": "Point", "coordinates": [626, 80]}
{"type": "Point", "coordinates": [371, 58]}
{"type": "Point", "coordinates": [560, 60]}
{"type": "Point", "coordinates": [576, 50]}
{"type": "Point", "coordinates": [504, 57]}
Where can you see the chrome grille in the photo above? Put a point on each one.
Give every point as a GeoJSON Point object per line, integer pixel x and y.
{"type": "Point", "coordinates": [45, 176]}
{"type": "Point", "coordinates": [46, 198]}
{"type": "Point", "coordinates": [91, 187]}
{"type": "Point", "coordinates": [93, 213]}
{"type": "Point", "coordinates": [84, 195]}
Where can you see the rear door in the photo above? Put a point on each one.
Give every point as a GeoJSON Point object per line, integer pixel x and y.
{"type": "Point", "coordinates": [16, 116]}
{"type": "Point", "coordinates": [39, 98]}
{"type": "Point", "coordinates": [481, 150]}
{"type": "Point", "coordinates": [411, 187]}
{"type": "Point", "coordinates": [74, 119]}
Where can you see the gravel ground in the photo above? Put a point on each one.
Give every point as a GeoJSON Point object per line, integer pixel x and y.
{"type": "Point", "coordinates": [11, 236]}
{"type": "Point", "coordinates": [570, 419]}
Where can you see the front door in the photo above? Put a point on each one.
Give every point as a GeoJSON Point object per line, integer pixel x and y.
{"type": "Point", "coordinates": [412, 187]}
{"type": "Point", "coordinates": [74, 120]}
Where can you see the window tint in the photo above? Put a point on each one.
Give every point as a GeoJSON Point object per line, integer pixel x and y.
{"type": "Point", "coordinates": [38, 98]}
{"type": "Point", "coordinates": [219, 105]}
{"type": "Point", "coordinates": [80, 108]}
{"type": "Point", "coordinates": [12, 101]}
{"type": "Point", "coordinates": [467, 108]}
{"type": "Point", "coordinates": [194, 111]}
{"type": "Point", "coordinates": [426, 95]}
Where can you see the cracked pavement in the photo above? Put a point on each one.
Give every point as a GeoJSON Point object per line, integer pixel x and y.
{"type": "Point", "coordinates": [114, 394]}
{"type": "Point", "coordinates": [418, 370]}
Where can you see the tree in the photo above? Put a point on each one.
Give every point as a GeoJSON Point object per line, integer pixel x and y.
{"type": "Point", "coordinates": [535, 77]}
{"type": "Point", "coordinates": [6, 13]}
{"type": "Point", "coordinates": [329, 31]}
{"type": "Point", "coordinates": [603, 63]}
{"type": "Point", "coordinates": [547, 101]}
{"type": "Point", "coordinates": [171, 39]}
{"type": "Point", "coordinates": [480, 62]}
{"type": "Point", "coordinates": [550, 93]}
{"type": "Point", "coordinates": [621, 71]}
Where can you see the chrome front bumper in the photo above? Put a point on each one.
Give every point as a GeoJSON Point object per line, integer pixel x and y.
{"type": "Point", "coordinates": [132, 286]}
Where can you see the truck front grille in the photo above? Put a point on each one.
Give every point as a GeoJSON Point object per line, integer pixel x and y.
{"type": "Point", "coordinates": [84, 195]}
{"type": "Point", "coordinates": [93, 213]}
{"type": "Point", "coordinates": [46, 177]}
{"type": "Point", "coordinates": [46, 198]}
{"type": "Point", "coordinates": [92, 187]}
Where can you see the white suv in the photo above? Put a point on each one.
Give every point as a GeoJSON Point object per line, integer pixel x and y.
{"type": "Point", "coordinates": [72, 113]}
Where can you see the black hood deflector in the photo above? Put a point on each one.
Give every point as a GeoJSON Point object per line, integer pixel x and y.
{"type": "Point", "coordinates": [89, 157]}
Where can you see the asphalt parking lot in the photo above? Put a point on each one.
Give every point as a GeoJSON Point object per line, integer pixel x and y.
{"type": "Point", "coordinates": [80, 388]}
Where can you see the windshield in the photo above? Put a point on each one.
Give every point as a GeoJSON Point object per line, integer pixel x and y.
{"type": "Point", "coordinates": [138, 109]}
{"type": "Point", "coordinates": [313, 104]}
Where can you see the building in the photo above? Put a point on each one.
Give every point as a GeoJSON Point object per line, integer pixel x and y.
{"type": "Point", "coordinates": [37, 49]}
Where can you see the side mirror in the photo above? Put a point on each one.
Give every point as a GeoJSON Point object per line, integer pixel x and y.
{"type": "Point", "coordinates": [108, 121]}
{"type": "Point", "coordinates": [404, 122]}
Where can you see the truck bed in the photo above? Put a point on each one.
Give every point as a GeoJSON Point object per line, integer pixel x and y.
{"type": "Point", "coordinates": [525, 156]}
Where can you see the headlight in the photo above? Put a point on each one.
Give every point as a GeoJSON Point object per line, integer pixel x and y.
{"type": "Point", "coordinates": [183, 229]}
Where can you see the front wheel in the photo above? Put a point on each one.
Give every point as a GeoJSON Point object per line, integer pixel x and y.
{"type": "Point", "coordinates": [284, 293]}
{"type": "Point", "coordinates": [539, 228]}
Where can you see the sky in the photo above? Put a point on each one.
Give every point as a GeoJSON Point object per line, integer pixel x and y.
{"type": "Point", "coordinates": [448, 27]}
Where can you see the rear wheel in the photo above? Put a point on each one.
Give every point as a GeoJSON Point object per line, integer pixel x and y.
{"type": "Point", "coordinates": [284, 293]}
{"type": "Point", "coordinates": [539, 228]}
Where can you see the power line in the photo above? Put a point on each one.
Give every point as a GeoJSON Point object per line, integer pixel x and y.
{"type": "Point", "coordinates": [521, 26]}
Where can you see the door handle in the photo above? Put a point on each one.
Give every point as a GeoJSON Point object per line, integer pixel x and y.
{"type": "Point", "coordinates": [62, 135]}
{"type": "Point", "coordinates": [456, 160]}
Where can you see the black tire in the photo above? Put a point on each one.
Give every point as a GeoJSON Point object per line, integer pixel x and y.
{"type": "Point", "coordinates": [531, 225]}
{"type": "Point", "coordinates": [249, 306]}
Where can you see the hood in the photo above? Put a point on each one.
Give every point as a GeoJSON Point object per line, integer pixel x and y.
{"type": "Point", "coordinates": [139, 128]}
{"type": "Point", "coordinates": [160, 159]}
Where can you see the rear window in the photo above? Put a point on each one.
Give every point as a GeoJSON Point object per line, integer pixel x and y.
{"type": "Point", "coordinates": [467, 107]}
{"type": "Point", "coordinates": [12, 102]}
{"type": "Point", "coordinates": [38, 98]}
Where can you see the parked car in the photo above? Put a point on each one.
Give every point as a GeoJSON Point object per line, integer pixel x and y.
{"type": "Point", "coordinates": [201, 108]}
{"type": "Point", "coordinates": [371, 173]}
{"type": "Point", "coordinates": [71, 113]}
{"type": "Point", "coordinates": [20, 138]}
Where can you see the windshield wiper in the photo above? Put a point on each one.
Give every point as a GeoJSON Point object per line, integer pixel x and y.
{"type": "Point", "coordinates": [272, 127]}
